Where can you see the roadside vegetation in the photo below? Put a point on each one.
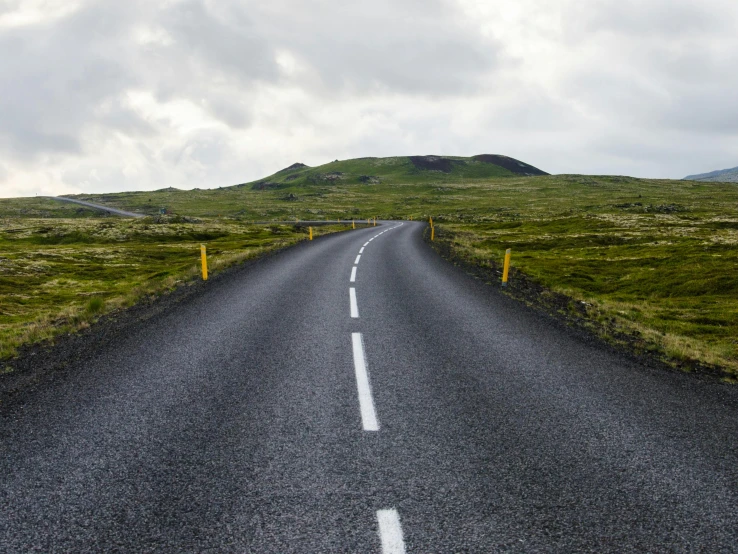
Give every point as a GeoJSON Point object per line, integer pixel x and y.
{"type": "Point", "coordinates": [59, 275]}
{"type": "Point", "coordinates": [650, 264]}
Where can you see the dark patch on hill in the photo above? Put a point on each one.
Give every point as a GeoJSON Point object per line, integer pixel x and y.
{"type": "Point", "coordinates": [265, 185]}
{"type": "Point", "coordinates": [511, 164]}
{"type": "Point", "coordinates": [297, 165]}
{"type": "Point", "coordinates": [432, 163]}
{"type": "Point", "coordinates": [369, 179]}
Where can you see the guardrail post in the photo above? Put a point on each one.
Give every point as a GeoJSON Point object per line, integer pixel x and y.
{"type": "Point", "coordinates": [204, 258]}
{"type": "Point", "coordinates": [506, 268]}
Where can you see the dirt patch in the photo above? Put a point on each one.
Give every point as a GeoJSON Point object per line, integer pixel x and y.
{"type": "Point", "coordinates": [511, 164]}
{"type": "Point", "coordinates": [432, 163]}
{"type": "Point", "coordinates": [567, 311]}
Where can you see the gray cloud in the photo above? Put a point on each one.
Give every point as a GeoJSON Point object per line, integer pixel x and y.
{"type": "Point", "coordinates": [196, 93]}
{"type": "Point", "coordinates": [57, 76]}
{"type": "Point", "coordinates": [654, 18]}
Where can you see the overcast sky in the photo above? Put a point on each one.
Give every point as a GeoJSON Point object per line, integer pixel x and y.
{"type": "Point", "coordinates": [99, 96]}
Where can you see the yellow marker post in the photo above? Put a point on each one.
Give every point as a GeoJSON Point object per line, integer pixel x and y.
{"type": "Point", "coordinates": [204, 258]}
{"type": "Point", "coordinates": [433, 233]}
{"type": "Point", "coordinates": [353, 224]}
{"type": "Point", "coordinates": [311, 233]}
{"type": "Point", "coordinates": [431, 222]}
{"type": "Point", "coordinates": [506, 268]}
{"type": "Point", "coordinates": [375, 221]}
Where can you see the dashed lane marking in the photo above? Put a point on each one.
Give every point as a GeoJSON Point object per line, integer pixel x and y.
{"type": "Point", "coordinates": [366, 403]}
{"type": "Point", "coordinates": [353, 274]}
{"type": "Point", "coordinates": [354, 305]}
{"type": "Point", "coordinates": [390, 532]}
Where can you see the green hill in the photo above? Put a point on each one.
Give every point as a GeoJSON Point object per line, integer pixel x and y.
{"type": "Point", "coordinates": [398, 170]}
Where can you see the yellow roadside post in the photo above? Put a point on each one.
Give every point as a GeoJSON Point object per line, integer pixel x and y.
{"type": "Point", "coordinates": [430, 219]}
{"type": "Point", "coordinates": [204, 258]}
{"type": "Point", "coordinates": [506, 268]}
{"type": "Point", "coordinates": [353, 224]}
{"type": "Point", "coordinates": [375, 221]}
{"type": "Point", "coordinates": [433, 233]}
{"type": "Point", "coordinates": [311, 233]}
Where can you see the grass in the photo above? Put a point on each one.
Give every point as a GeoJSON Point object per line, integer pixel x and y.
{"type": "Point", "coordinates": [652, 258]}
{"type": "Point", "coordinates": [58, 276]}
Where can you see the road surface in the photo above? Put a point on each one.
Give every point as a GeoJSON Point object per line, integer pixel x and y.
{"type": "Point", "coordinates": [423, 412]}
{"type": "Point", "coordinates": [100, 207]}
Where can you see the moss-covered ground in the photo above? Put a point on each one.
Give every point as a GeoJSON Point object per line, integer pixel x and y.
{"type": "Point", "coordinates": [59, 275]}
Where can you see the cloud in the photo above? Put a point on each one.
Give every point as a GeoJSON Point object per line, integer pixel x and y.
{"type": "Point", "coordinates": [105, 96]}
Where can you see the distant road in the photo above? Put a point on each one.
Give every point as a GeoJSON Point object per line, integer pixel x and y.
{"type": "Point", "coordinates": [97, 206]}
{"type": "Point", "coordinates": [357, 393]}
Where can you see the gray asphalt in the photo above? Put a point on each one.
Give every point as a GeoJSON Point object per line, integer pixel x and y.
{"type": "Point", "coordinates": [100, 207]}
{"type": "Point", "coordinates": [231, 423]}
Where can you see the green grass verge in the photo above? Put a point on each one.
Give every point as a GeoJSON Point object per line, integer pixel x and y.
{"type": "Point", "coordinates": [58, 276]}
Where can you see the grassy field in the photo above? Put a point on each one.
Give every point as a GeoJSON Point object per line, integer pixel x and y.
{"type": "Point", "coordinates": [652, 258]}
{"type": "Point", "coordinates": [59, 275]}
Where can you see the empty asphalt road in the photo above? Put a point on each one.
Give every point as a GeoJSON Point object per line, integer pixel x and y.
{"type": "Point", "coordinates": [357, 393]}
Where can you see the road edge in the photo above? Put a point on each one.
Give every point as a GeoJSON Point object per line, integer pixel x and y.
{"type": "Point", "coordinates": [571, 314]}
{"type": "Point", "coordinates": [39, 363]}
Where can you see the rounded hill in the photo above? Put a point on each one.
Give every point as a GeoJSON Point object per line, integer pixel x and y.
{"type": "Point", "coordinates": [401, 169]}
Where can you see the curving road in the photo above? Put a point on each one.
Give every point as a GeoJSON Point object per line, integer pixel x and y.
{"type": "Point", "coordinates": [422, 412]}
{"type": "Point", "coordinates": [100, 207]}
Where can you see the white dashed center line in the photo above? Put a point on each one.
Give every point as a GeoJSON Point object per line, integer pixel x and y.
{"type": "Point", "coordinates": [354, 305]}
{"type": "Point", "coordinates": [366, 404]}
{"type": "Point", "coordinates": [390, 532]}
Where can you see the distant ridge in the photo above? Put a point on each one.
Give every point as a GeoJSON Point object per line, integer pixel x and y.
{"type": "Point", "coordinates": [721, 175]}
